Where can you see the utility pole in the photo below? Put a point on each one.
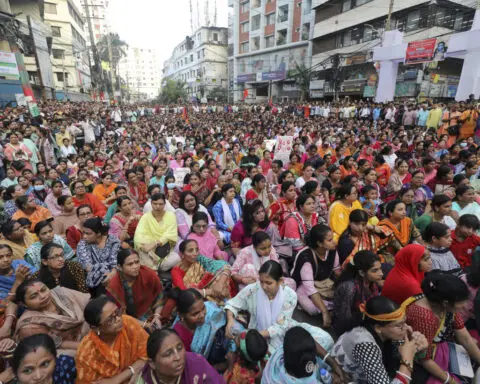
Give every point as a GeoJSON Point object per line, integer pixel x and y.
{"type": "Point", "coordinates": [198, 14]}
{"type": "Point", "coordinates": [191, 17]}
{"type": "Point", "coordinates": [109, 46]}
{"type": "Point", "coordinates": [215, 15]}
{"type": "Point", "coordinates": [96, 57]}
{"type": "Point", "coordinates": [389, 17]}
{"type": "Point", "coordinates": [64, 77]}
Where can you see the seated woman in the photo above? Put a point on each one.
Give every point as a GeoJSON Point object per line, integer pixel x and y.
{"type": "Point", "coordinates": [271, 307]}
{"type": "Point", "coordinates": [290, 363]}
{"type": "Point", "coordinates": [67, 217]}
{"type": "Point", "coordinates": [97, 253]}
{"type": "Point", "coordinates": [250, 259]}
{"type": "Point", "coordinates": [136, 289]}
{"type": "Point", "coordinates": [227, 212]}
{"type": "Point", "coordinates": [359, 236]}
{"type": "Point", "coordinates": [438, 239]}
{"type": "Point", "coordinates": [56, 271]}
{"type": "Point", "coordinates": [187, 207]}
{"type": "Point", "coordinates": [312, 188]}
{"type": "Point", "coordinates": [210, 277]}
{"type": "Point", "coordinates": [441, 213]}
{"type": "Point", "coordinates": [12, 273]}
{"type": "Point", "coordinates": [280, 209]}
{"type": "Point", "coordinates": [45, 234]}
{"type": "Point", "coordinates": [314, 269]}
{"type": "Point", "coordinates": [57, 312]}
{"type": "Point", "coordinates": [16, 238]}
{"type": "Point", "coordinates": [81, 197]}
{"type": "Point", "coordinates": [201, 326]}
{"type": "Point", "coordinates": [197, 186]}
{"type": "Point", "coordinates": [346, 200]}
{"type": "Point", "coordinates": [465, 201]}
{"type": "Point", "coordinates": [380, 349]}
{"type": "Point", "coordinates": [402, 230]}
{"type": "Point", "coordinates": [207, 241]}
{"type": "Point", "coordinates": [156, 235]}
{"type": "Point", "coordinates": [35, 360]}
{"type": "Point", "coordinates": [407, 196]}
{"type": "Point", "coordinates": [435, 313]}
{"type": "Point", "coordinates": [74, 233]}
{"type": "Point", "coordinates": [124, 223]}
{"type": "Point", "coordinates": [405, 278]}
{"type": "Point", "coordinates": [299, 223]}
{"type": "Point", "coordinates": [185, 368]}
{"type": "Point", "coordinates": [27, 208]}
{"type": "Point", "coordinates": [422, 194]}
{"type": "Point", "coordinates": [105, 191]}
{"type": "Point", "coordinates": [259, 191]}
{"type": "Point", "coordinates": [361, 280]}
{"type": "Point", "coordinates": [115, 348]}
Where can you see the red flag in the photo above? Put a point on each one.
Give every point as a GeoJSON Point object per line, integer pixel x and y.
{"type": "Point", "coordinates": [245, 94]}
{"type": "Point", "coordinates": [185, 114]}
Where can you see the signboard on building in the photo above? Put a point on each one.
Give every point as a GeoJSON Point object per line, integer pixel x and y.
{"type": "Point", "coordinates": [369, 91]}
{"type": "Point", "coordinates": [317, 84]}
{"type": "Point", "coordinates": [356, 59]}
{"type": "Point", "coordinates": [246, 77]}
{"type": "Point", "coordinates": [42, 54]}
{"type": "Point", "coordinates": [8, 64]}
{"type": "Point", "coordinates": [317, 94]}
{"type": "Point", "coordinates": [420, 51]}
{"type": "Point", "coordinates": [405, 89]}
{"type": "Point", "coordinates": [275, 75]}
{"type": "Point", "coordinates": [21, 100]}
{"type": "Point", "coordinates": [283, 148]}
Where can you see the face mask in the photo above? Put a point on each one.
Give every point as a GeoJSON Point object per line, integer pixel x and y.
{"type": "Point", "coordinates": [171, 185]}
{"type": "Point", "coordinates": [38, 187]}
{"type": "Point", "coordinates": [463, 145]}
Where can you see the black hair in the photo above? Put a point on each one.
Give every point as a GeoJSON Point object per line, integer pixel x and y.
{"type": "Point", "coordinates": [259, 237]}
{"type": "Point", "coordinates": [123, 254]}
{"type": "Point", "coordinates": [286, 185]}
{"type": "Point", "coordinates": [439, 287]}
{"type": "Point", "coordinates": [283, 175]}
{"type": "Point", "coordinates": [22, 289]}
{"type": "Point", "coordinates": [309, 187]}
{"type": "Point", "coordinates": [46, 249]}
{"type": "Point", "coordinates": [31, 344]}
{"type": "Point", "coordinates": [183, 196]}
{"type": "Point", "coordinates": [80, 207]}
{"type": "Point", "coordinates": [257, 179]}
{"type": "Point", "coordinates": [8, 195]}
{"type": "Point", "coordinates": [367, 189]}
{"type": "Point", "coordinates": [199, 215]}
{"type": "Point", "coordinates": [6, 246]}
{"type": "Point", "coordinates": [152, 187]}
{"type": "Point", "coordinates": [7, 228]}
{"type": "Point", "coordinates": [122, 187]}
{"type": "Point", "coordinates": [226, 187]}
{"type": "Point", "coordinates": [278, 162]}
{"type": "Point", "coordinates": [362, 261]}
{"type": "Point", "coordinates": [317, 234]}
{"type": "Point", "coordinates": [184, 298]}
{"type": "Point", "coordinates": [250, 208]}
{"type": "Point", "coordinates": [158, 196]}
{"type": "Point", "coordinates": [120, 200]}
{"type": "Point", "coordinates": [55, 182]}
{"type": "Point", "coordinates": [427, 160]}
{"type": "Point", "coordinates": [94, 308]}
{"type": "Point", "coordinates": [457, 179]}
{"type": "Point", "coordinates": [24, 222]}
{"type": "Point", "coordinates": [378, 305]}
{"type": "Point", "coordinates": [434, 229]}
{"type": "Point", "coordinates": [155, 341]}
{"type": "Point", "coordinates": [458, 192]}
{"type": "Point", "coordinates": [299, 352]}
{"type": "Point", "coordinates": [391, 206]}
{"type": "Point", "coordinates": [183, 245]}
{"type": "Point", "coordinates": [301, 200]}
{"type": "Point", "coordinates": [42, 224]}
{"type": "Point", "coordinates": [62, 200]}
{"type": "Point", "coordinates": [439, 200]}
{"type": "Point", "coordinates": [256, 346]}
{"type": "Point", "coordinates": [470, 221]}
{"type": "Point", "coordinates": [96, 225]}
{"type": "Point", "coordinates": [443, 171]}
{"type": "Point", "coordinates": [21, 202]}
{"type": "Point", "coordinates": [343, 191]}
{"type": "Point", "coordinates": [273, 269]}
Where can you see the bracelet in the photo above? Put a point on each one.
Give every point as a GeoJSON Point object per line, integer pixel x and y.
{"type": "Point", "coordinates": [10, 315]}
{"type": "Point", "coordinates": [408, 365]}
{"type": "Point", "coordinates": [404, 376]}
{"type": "Point", "coordinates": [204, 292]}
{"type": "Point", "coordinates": [326, 357]}
{"type": "Point", "coordinates": [448, 379]}
{"type": "Point", "coordinates": [131, 370]}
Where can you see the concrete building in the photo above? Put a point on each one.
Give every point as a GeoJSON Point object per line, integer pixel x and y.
{"type": "Point", "coordinates": [200, 61]}
{"type": "Point", "coordinates": [140, 71]}
{"type": "Point", "coordinates": [268, 40]}
{"type": "Point", "coordinates": [98, 10]}
{"type": "Point", "coordinates": [69, 50]}
{"type": "Point", "coordinates": [346, 32]}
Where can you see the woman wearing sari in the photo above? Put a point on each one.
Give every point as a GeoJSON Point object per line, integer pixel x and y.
{"type": "Point", "coordinates": [136, 289]}
{"type": "Point", "coordinates": [57, 312]}
{"type": "Point", "coordinates": [27, 208]}
{"type": "Point", "coordinates": [399, 177]}
{"type": "Point", "coordinates": [187, 207]}
{"type": "Point", "coordinates": [346, 202]}
{"type": "Point", "coordinates": [136, 189]}
{"type": "Point", "coordinates": [285, 205]}
{"type": "Point", "coordinates": [115, 349]}
{"type": "Point", "coordinates": [12, 272]}
{"type": "Point", "coordinates": [184, 368]}
{"type": "Point", "coordinates": [435, 313]}
{"type": "Point", "coordinates": [464, 202]}
{"type": "Point", "coordinates": [442, 183]}
{"type": "Point", "coordinates": [212, 278]}
{"type": "Point", "coordinates": [124, 223]}
{"type": "Point", "coordinates": [17, 238]}
{"type": "Point", "coordinates": [400, 229]}
{"type": "Point", "coordinates": [422, 194]}
{"type": "Point", "coordinates": [156, 235]}
{"type": "Point", "coordinates": [197, 186]}
{"type": "Point", "coordinates": [227, 212]}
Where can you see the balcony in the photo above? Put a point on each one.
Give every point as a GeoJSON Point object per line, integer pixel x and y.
{"type": "Point", "coordinates": [244, 17]}
{"type": "Point", "coordinates": [269, 30]}
{"type": "Point", "coordinates": [270, 6]}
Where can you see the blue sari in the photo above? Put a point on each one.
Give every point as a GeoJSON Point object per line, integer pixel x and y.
{"type": "Point", "coordinates": [6, 282]}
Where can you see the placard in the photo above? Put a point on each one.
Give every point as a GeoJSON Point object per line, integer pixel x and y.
{"type": "Point", "coordinates": [283, 148]}
{"type": "Point", "coordinates": [179, 174]}
{"type": "Point", "coordinates": [420, 51]}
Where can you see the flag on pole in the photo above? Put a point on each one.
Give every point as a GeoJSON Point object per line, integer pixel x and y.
{"type": "Point", "coordinates": [185, 114]}
{"type": "Point", "coordinates": [245, 94]}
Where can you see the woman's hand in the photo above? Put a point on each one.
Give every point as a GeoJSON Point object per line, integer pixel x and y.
{"type": "Point", "coordinates": [7, 375]}
{"type": "Point", "coordinates": [408, 350]}
{"type": "Point", "coordinates": [7, 346]}
{"type": "Point", "coordinates": [229, 330]}
{"type": "Point", "coordinates": [246, 280]}
{"type": "Point", "coordinates": [21, 273]}
{"type": "Point", "coordinates": [337, 371]}
{"type": "Point", "coordinates": [420, 340]}
{"type": "Point", "coordinates": [109, 276]}
{"type": "Point", "coordinates": [327, 319]}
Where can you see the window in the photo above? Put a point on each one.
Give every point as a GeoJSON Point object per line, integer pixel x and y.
{"type": "Point", "coordinates": [198, 55]}
{"type": "Point", "coordinates": [191, 58]}
{"type": "Point", "coordinates": [256, 43]}
{"type": "Point", "coordinates": [245, 27]}
{"type": "Point", "coordinates": [255, 22]}
{"type": "Point", "coordinates": [244, 47]}
{"type": "Point", "coordinates": [215, 37]}
{"type": "Point", "coordinates": [245, 7]}
{"type": "Point", "coordinates": [57, 53]}
{"type": "Point", "coordinates": [283, 13]}
{"type": "Point", "coordinates": [50, 8]}
{"type": "Point", "coordinates": [282, 37]}
{"type": "Point", "coordinates": [270, 19]}
{"type": "Point", "coordinates": [413, 19]}
{"type": "Point", "coordinates": [347, 5]}
{"type": "Point", "coordinates": [60, 76]}
{"type": "Point", "coordinates": [56, 31]}
{"type": "Point", "coordinates": [269, 41]}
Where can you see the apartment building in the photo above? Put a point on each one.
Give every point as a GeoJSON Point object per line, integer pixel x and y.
{"type": "Point", "coordinates": [140, 70]}
{"type": "Point", "coordinates": [200, 61]}
{"type": "Point", "coordinates": [98, 11]}
{"type": "Point", "coordinates": [268, 41]}
{"type": "Point", "coordinates": [346, 32]}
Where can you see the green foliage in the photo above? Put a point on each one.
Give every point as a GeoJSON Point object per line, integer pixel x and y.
{"type": "Point", "coordinates": [218, 94]}
{"type": "Point", "coordinates": [302, 78]}
{"type": "Point", "coordinates": [172, 91]}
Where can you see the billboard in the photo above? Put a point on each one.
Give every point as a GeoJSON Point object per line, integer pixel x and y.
{"type": "Point", "coordinates": [8, 65]}
{"type": "Point", "coordinates": [42, 53]}
{"type": "Point", "coordinates": [420, 51]}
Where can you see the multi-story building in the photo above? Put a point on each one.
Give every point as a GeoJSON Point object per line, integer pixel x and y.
{"type": "Point", "coordinates": [200, 61]}
{"type": "Point", "coordinates": [346, 32]}
{"type": "Point", "coordinates": [97, 10]}
{"type": "Point", "coordinates": [69, 50]}
{"type": "Point", "coordinates": [140, 71]}
{"type": "Point", "coordinates": [268, 43]}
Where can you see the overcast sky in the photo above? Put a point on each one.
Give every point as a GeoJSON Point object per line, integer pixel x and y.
{"type": "Point", "coordinates": [159, 24]}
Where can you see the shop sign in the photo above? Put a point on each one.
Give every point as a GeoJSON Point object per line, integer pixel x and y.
{"type": "Point", "coordinates": [8, 64]}
{"type": "Point", "coordinates": [452, 90]}
{"type": "Point", "coordinates": [420, 51]}
{"type": "Point", "coordinates": [405, 89]}
{"type": "Point", "coordinates": [369, 91]}
{"type": "Point", "coordinates": [317, 94]}
{"type": "Point", "coordinates": [356, 59]}
{"type": "Point", "coordinates": [246, 77]}
{"type": "Point", "coordinates": [317, 84]}
{"type": "Point", "coordinates": [275, 75]}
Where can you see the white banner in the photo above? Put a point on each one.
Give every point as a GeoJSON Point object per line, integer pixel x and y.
{"type": "Point", "coordinates": [180, 174]}
{"type": "Point", "coordinates": [283, 148]}
{"type": "Point", "coordinates": [8, 64]}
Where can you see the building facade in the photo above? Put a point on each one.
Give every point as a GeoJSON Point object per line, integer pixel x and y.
{"type": "Point", "coordinates": [97, 11]}
{"type": "Point", "coordinates": [140, 71]}
{"type": "Point", "coordinates": [200, 61]}
{"type": "Point", "coordinates": [347, 31]}
{"type": "Point", "coordinates": [269, 41]}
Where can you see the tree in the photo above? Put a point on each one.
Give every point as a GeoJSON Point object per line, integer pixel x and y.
{"type": "Point", "coordinates": [118, 50]}
{"type": "Point", "coordinates": [218, 94]}
{"type": "Point", "coordinates": [302, 78]}
{"type": "Point", "coordinates": [172, 91]}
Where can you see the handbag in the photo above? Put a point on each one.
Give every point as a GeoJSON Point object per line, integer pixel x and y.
{"type": "Point", "coordinates": [325, 288]}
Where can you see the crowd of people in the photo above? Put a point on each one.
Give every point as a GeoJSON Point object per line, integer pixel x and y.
{"type": "Point", "coordinates": [176, 244]}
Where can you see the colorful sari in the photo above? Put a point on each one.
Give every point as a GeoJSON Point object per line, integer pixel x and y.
{"type": "Point", "coordinates": [348, 248]}
{"type": "Point", "coordinates": [118, 222]}
{"type": "Point", "coordinates": [144, 296]}
{"type": "Point", "coordinates": [399, 238]}
{"type": "Point", "coordinates": [280, 209]}
{"type": "Point", "coordinates": [32, 254]}
{"type": "Point", "coordinates": [197, 370]}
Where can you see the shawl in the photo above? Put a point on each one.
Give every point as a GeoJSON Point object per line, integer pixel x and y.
{"type": "Point", "coordinates": [39, 214]}
{"type": "Point", "coordinates": [404, 234]}
{"type": "Point", "coordinates": [347, 248]}
{"type": "Point", "coordinates": [404, 279]}
{"type": "Point", "coordinates": [97, 360]}
{"type": "Point", "coordinates": [227, 215]}
{"type": "Point", "coordinates": [70, 325]}
{"type": "Point", "coordinates": [268, 310]}
{"type": "Point", "coordinates": [144, 292]}
{"type": "Point", "coordinates": [150, 230]}
{"type": "Point", "coordinates": [321, 269]}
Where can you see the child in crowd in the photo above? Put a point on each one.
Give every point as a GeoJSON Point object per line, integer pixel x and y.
{"type": "Point", "coordinates": [370, 202]}
{"type": "Point", "coordinates": [464, 239]}
{"type": "Point", "coordinates": [438, 239]}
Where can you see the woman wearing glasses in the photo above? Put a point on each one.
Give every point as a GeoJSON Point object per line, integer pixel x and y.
{"type": "Point", "coordinates": [57, 312]}
{"type": "Point", "coordinates": [115, 349]}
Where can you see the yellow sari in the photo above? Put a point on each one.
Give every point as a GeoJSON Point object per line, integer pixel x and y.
{"type": "Point", "coordinates": [339, 217]}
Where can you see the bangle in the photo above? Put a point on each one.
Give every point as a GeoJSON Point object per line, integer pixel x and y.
{"type": "Point", "coordinates": [404, 376]}
{"type": "Point", "coordinates": [409, 366]}
{"type": "Point", "coordinates": [131, 370]}
{"type": "Point", "coordinates": [447, 379]}
{"type": "Point", "coordinates": [10, 315]}
{"type": "Point", "coordinates": [326, 357]}
{"type": "Point", "coordinates": [204, 292]}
